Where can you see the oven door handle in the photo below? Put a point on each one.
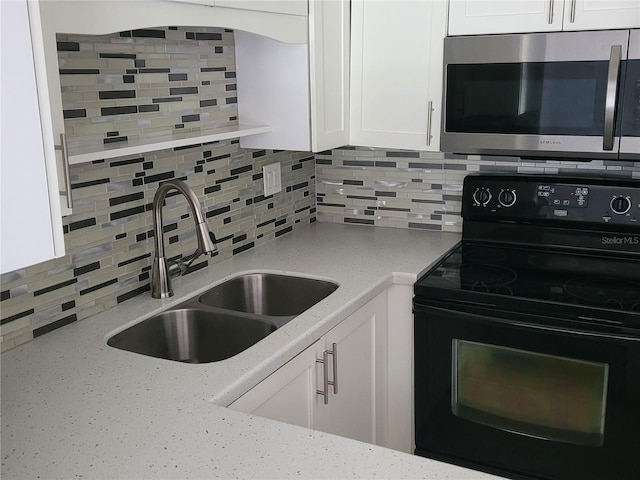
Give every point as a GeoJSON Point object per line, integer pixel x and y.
{"type": "Point", "coordinates": [574, 331]}
{"type": "Point", "coordinates": [426, 312]}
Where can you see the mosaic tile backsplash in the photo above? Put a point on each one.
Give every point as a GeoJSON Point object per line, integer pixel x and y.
{"type": "Point", "coordinates": [146, 83]}
{"type": "Point", "coordinates": [109, 237]}
{"type": "Point", "coordinates": [420, 190]}
{"type": "Point", "coordinates": [151, 82]}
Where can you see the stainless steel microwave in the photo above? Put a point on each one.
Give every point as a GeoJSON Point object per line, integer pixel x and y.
{"type": "Point", "coordinates": [555, 95]}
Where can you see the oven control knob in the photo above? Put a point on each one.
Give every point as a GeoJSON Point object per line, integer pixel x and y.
{"type": "Point", "coordinates": [482, 196]}
{"type": "Point", "coordinates": [620, 205]}
{"type": "Point", "coordinates": [507, 198]}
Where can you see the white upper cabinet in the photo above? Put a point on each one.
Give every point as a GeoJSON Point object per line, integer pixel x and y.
{"type": "Point", "coordinates": [304, 103]}
{"type": "Point", "coordinates": [601, 14]}
{"type": "Point", "coordinates": [31, 221]}
{"type": "Point", "coordinates": [473, 17]}
{"type": "Point", "coordinates": [289, 7]}
{"type": "Point", "coordinates": [396, 73]}
{"type": "Point", "coordinates": [300, 90]}
{"type": "Point", "coordinates": [208, 3]}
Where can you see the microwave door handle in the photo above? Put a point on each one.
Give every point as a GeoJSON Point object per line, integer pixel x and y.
{"type": "Point", "coordinates": [429, 115]}
{"type": "Point", "coordinates": [610, 101]}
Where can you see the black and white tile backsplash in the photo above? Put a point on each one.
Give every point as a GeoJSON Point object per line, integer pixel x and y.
{"type": "Point", "coordinates": [146, 83]}
{"type": "Point", "coordinates": [420, 190]}
{"type": "Point", "coordinates": [109, 237]}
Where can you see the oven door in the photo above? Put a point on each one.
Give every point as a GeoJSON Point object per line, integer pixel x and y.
{"type": "Point", "coordinates": [526, 397]}
{"type": "Point", "coordinates": [546, 94]}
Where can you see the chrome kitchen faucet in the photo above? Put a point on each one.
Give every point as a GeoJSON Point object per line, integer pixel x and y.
{"type": "Point", "coordinates": [161, 272]}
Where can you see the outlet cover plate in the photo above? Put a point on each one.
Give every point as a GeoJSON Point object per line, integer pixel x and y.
{"type": "Point", "coordinates": [272, 178]}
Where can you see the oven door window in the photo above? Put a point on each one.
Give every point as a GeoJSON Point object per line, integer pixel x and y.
{"type": "Point", "coordinates": [530, 393]}
{"type": "Point", "coordinates": [544, 98]}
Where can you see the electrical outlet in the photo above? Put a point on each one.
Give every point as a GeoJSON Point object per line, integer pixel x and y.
{"type": "Point", "coordinates": [272, 178]}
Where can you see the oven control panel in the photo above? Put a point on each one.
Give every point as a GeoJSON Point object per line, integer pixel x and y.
{"type": "Point", "coordinates": [540, 198]}
{"type": "Point", "coordinates": [563, 195]}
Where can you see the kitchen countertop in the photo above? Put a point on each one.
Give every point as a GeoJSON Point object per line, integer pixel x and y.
{"type": "Point", "coordinates": [74, 407]}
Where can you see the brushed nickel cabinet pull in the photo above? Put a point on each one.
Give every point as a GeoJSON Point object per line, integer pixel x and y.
{"type": "Point", "coordinates": [551, 12]}
{"type": "Point", "coordinates": [325, 380]}
{"type": "Point", "coordinates": [334, 353]}
{"type": "Point", "coordinates": [325, 372]}
{"type": "Point", "coordinates": [65, 167]}
{"type": "Point", "coordinates": [429, 115]}
{"type": "Point", "coordinates": [572, 15]}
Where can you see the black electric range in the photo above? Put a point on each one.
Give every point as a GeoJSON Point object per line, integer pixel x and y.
{"type": "Point", "coordinates": [558, 247]}
{"type": "Point", "coordinates": [527, 333]}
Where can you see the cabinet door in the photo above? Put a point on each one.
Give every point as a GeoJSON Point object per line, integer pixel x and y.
{"type": "Point", "coordinates": [351, 410]}
{"type": "Point", "coordinates": [31, 223]}
{"type": "Point", "coordinates": [396, 73]}
{"type": "Point", "coordinates": [287, 395]}
{"type": "Point", "coordinates": [290, 7]}
{"type": "Point", "coordinates": [474, 17]}
{"type": "Point", "coordinates": [329, 41]}
{"type": "Point", "coordinates": [301, 90]}
{"type": "Point", "coordinates": [357, 409]}
{"type": "Point", "coordinates": [601, 14]}
{"type": "Point", "coordinates": [199, 2]}
{"type": "Point", "coordinates": [397, 416]}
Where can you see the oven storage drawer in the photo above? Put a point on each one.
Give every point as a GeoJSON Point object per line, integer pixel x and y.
{"type": "Point", "coordinates": [501, 394]}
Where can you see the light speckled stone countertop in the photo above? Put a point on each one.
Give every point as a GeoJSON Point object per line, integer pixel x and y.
{"type": "Point", "coordinates": [74, 407]}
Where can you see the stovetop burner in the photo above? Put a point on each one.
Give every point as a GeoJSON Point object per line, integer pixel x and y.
{"type": "Point", "coordinates": [553, 261]}
{"type": "Point", "coordinates": [483, 255]}
{"type": "Point", "coordinates": [553, 277]}
{"type": "Point", "coordinates": [557, 246]}
{"type": "Point", "coordinates": [608, 290]}
{"type": "Point", "coordinates": [476, 274]}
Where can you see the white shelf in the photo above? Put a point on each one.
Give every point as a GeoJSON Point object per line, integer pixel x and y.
{"type": "Point", "coordinates": [145, 145]}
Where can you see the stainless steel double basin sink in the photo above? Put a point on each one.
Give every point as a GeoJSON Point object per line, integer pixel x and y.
{"type": "Point", "coordinates": [225, 320]}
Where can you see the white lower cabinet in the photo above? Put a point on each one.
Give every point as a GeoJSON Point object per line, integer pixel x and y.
{"type": "Point", "coordinates": [355, 356]}
{"type": "Point", "coordinates": [288, 395]}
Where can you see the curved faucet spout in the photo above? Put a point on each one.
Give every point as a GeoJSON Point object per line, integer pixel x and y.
{"type": "Point", "coordinates": [161, 273]}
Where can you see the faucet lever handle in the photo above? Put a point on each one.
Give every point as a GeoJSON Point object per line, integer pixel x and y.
{"type": "Point", "coordinates": [179, 267]}
{"type": "Point", "coordinates": [214, 241]}
{"type": "Point", "coordinates": [176, 268]}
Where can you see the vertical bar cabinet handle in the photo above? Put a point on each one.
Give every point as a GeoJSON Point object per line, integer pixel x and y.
{"type": "Point", "coordinates": [325, 380]}
{"type": "Point", "coordinates": [572, 15]}
{"type": "Point", "coordinates": [551, 12]}
{"type": "Point", "coordinates": [334, 353]}
{"type": "Point", "coordinates": [65, 170]}
{"type": "Point", "coordinates": [429, 115]}
{"type": "Point", "coordinates": [610, 99]}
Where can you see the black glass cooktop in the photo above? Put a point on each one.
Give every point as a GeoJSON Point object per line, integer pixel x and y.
{"type": "Point", "coordinates": [487, 274]}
